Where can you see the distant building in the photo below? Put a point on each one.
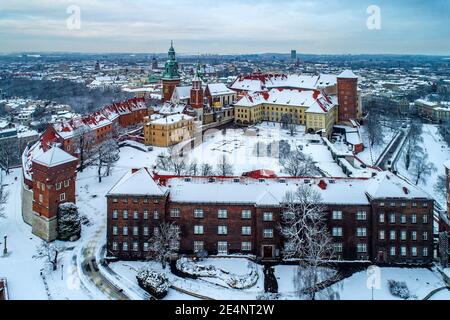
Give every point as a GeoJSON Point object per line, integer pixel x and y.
{"type": "Point", "coordinates": [293, 55]}
{"type": "Point", "coordinates": [3, 289]}
{"type": "Point", "coordinates": [434, 111]}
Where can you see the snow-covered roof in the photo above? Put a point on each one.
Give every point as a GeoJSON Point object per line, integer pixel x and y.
{"type": "Point", "coordinates": [54, 157]}
{"type": "Point", "coordinates": [314, 100]}
{"type": "Point", "coordinates": [174, 118]}
{"type": "Point", "coordinates": [270, 192]}
{"type": "Point", "coordinates": [170, 108]}
{"type": "Point", "coordinates": [387, 185]}
{"type": "Point", "coordinates": [139, 183]}
{"type": "Point", "coordinates": [261, 82]}
{"type": "Point", "coordinates": [217, 89]}
{"type": "Point", "coordinates": [347, 74]}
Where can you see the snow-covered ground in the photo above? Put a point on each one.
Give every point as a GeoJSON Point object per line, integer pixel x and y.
{"type": "Point", "coordinates": [241, 148]}
{"type": "Point", "coordinates": [371, 154]}
{"type": "Point", "coordinates": [438, 152]}
{"type": "Point", "coordinates": [420, 282]}
{"type": "Point", "coordinates": [207, 287]}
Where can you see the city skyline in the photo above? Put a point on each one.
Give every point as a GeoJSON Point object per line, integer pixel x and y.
{"type": "Point", "coordinates": [232, 27]}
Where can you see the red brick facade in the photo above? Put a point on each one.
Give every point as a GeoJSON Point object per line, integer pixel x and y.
{"type": "Point", "coordinates": [52, 186]}
{"type": "Point", "coordinates": [250, 229]}
{"type": "Point", "coordinates": [347, 90]}
{"type": "Point", "coordinates": [168, 88]}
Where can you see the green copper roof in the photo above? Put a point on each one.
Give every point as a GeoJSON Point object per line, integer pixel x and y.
{"type": "Point", "coordinates": [171, 66]}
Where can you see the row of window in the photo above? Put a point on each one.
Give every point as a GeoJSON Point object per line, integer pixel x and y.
{"type": "Point", "coordinates": [221, 230]}
{"type": "Point", "coordinates": [362, 248]}
{"type": "Point", "coordinates": [222, 246]}
{"type": "Point", "coordinates": [403, 218]}
{"type": "Point", "coordinates": [115, 214]}
{"type": "Point", "coordinates": [58, 185]}
{"type": "Point", "coordinates": [135, 200]}
{"type": "Point", "coordinates": [403, 235]}
{"type": "Point", "coordinates": [360, 215]}
{"type": "Point", "coordinates": [403, 204]}
{"type": "Point", "coordinates": [62, 197]}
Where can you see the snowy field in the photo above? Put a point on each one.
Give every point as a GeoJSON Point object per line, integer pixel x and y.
{"type": "Point", "coordinates": [246, 149]}
{"type": "Point", "coordinates": [420, 282]}
{"type": "Point", "coordinates": [438, 152]}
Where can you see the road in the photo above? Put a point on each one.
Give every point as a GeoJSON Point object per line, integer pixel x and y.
{"type": "Point", "coordinates": [389, 156]}
{"type": "Point", "coordinates": [90, 269]}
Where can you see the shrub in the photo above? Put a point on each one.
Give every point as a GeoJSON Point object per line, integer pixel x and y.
{"type": "Point", "coordinates": [153, 282]}
{"type": "Point", "coordinates": [399, 289]}
{"type": "Point", "coordinates": [69, 222]}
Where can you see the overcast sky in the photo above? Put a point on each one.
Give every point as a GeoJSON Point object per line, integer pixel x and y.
{"type": "Point", "coordinates": [228, 26]}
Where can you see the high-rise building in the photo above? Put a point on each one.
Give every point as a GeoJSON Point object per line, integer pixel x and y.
{"type": "Point", "coordinates": [293, 55]}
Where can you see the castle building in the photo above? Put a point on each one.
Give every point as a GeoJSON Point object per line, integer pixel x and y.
{"type": "Point", "coordinates": [382, 219]}
{"type": "Point", "coordinates": [169, 130]}
{"type": "Point", "coordinates": [54, 176]}
{"type": "Point", "coordinates": [171, 77]}
{"type": "Point", "coordinates": [316, 102]}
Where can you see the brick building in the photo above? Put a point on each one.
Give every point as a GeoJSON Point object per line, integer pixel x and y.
{"type": "Point", "coordinates": [54, 177]}
{"type": "Point", "coordinates": [242, 215]}
{"type": "Point", "coordinates": [347, 92]}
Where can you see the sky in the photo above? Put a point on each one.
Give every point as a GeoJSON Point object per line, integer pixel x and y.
{"type": "Point", "coordinates": [226, 27]}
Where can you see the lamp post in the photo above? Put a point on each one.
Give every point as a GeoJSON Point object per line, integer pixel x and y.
{"type": "Point", "coordinates": [5, 249]}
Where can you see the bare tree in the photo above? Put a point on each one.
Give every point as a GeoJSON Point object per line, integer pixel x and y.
{"type": "Point", "coordinates": [224, 167]}
{"type": "Point", "coordinates": [193, 169]}
{"type": "Point", "coordinates": [298, 164]}
{"type": "Point", "coordinates": [440, 187]}
{"type": "Point", "coordinates": [412, 143]}
{"type": "Point", "coordinates": [3, 197]}
{"type": "Point", "coordinates": [374, 131]}
{"type": "Point", "coordinates": [164, 243]}
{"type": "Point", "coordinates": [9, 153]}
{"type": "Point", "coordinates": [206, 170]}
{"type": "Point", "coordinates": [106, 154]}
{"type": "Point", "coordinates": [83, 144]}
{"type": "Point", "coordinates": [422, 168]}
{"type": "Point", "coordinates": [49, 252]}
{"type": "Point", "coordinates": [172, 162]}
{"type": "Point", "coordinates": [306, 237]}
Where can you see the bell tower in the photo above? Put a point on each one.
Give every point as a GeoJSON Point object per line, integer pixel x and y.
{"type": "Point", "coordinates": [171, 76]}
{"type": "Point", "coordinates": [197, 90]}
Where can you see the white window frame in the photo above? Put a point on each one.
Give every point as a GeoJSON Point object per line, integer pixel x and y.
{"type": "Point", "coordinates": [198, 229]}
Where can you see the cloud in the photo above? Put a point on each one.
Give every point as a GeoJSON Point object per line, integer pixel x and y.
{"type": "Point", "coordinates": [231, 26]}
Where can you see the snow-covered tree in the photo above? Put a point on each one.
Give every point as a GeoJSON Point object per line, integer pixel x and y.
{"type": "Point", "coordinates": [306, 235]}
{"type": "Point", "coordinates": [164, 243]}
{"type": "Point", "coordinates": [155, 283]}
{"type": "Point", "coordinates": [106, 154]}
{"type": "Point", "coordinates": [69, 222]}
{"type": "Point", "coordinates": [439, 187]}
{"type": "Point", "coordinates": [374, 131]}
{"type": "Point", "coordinates": [443, 249]}
{"type": "Point", "coordinates": [298, 164]}
{"type": "Point", "coordinates": [224, 167]}
{"type": "Point", "coordinates": [49, 252]}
